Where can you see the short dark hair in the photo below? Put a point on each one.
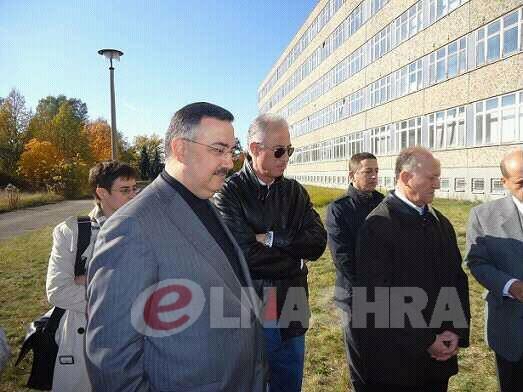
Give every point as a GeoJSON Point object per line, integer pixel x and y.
{"type": "Point", "coordinates": [104, 174]}
{"type": "Point", "coordinates": [355, 160]}
{"type": "Point", "coordinates": [185, 121]}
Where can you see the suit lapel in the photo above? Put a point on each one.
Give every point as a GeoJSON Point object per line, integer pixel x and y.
{"type": "Point", "coordinates": [183, 217]}
{"type": "Point", "coordinates": [511, 220]}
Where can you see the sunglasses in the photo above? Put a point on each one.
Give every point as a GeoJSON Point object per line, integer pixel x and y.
{"type": "Point", "coordinates": [280, 151]}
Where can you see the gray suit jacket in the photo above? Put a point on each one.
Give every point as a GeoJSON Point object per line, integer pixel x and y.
{"type": "Point", "coordinates": [494, 256]}
{"type": "Point", "coordinates": [154, 238]}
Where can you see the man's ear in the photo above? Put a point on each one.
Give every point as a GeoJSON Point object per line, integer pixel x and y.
{"type": "Point", "coordinates": [254, 148]}
{"type": "Point", "coordinates": [351, 175]}
{"type": "Point", "coordinates": [405, 176]}
{"type": "Point", "coordinates": [102, 193]}
{"type": "Point", "coordinates": [179, 149]}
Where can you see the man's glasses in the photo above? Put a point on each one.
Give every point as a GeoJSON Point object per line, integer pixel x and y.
{"type": "Point", "coordinates": [126, 190]}
{"type": "Point", "coordinates": [279, 151]}
{"type": "Point", "coordinates": [222, 151]}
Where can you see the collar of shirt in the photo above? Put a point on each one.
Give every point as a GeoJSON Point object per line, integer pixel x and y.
{"type": "Point", "coordinates": [264, 184]}
{"type": "Point", "coordinates": [97, 216]}
{"type": "Point", "coordinates": [404, 199]}
{"type": "Point", "coordinates": [519, 204]}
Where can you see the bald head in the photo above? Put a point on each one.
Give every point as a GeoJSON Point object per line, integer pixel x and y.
{"type": "Point", "coordinates": [417, 175]}
{"type": "Point", "coordinates": [512, 170]}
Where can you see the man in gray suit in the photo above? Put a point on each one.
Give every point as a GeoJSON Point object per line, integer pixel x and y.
{"type": "Point", "coordinates": [495, 258]}
{"type": "Point", "coordinates": [166, 307]}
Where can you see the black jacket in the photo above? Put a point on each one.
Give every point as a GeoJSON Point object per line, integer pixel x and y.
{"type": "Point", "coordinates": [287, 211]}
{"type": "Point", "coordinates": [344, 218]}
{"type": "Point", "coordinates": [399, 248]}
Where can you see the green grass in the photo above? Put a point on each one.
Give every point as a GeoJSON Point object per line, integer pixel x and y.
{"type": "Point", "coordinates": [29, 200]}
{"type": "Point", "coordinates": [22, 280]}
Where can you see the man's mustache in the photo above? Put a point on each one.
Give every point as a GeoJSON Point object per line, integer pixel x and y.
{"type": "Point", "coordinates": [221, 172]}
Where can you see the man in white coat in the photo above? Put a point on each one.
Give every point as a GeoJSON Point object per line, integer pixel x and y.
{"type": "Point", "coordinates": [113, 184]}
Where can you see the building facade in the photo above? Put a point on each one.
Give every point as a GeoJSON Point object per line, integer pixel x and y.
{"type": "Point", "coordinates": [382, 75]}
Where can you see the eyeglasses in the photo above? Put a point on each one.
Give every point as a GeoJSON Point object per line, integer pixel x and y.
{"type": "Point", "coordinates": [126, 190]}
{"type": "Point", "coordinates": [222, 151]}
{"type": "Point", "coordinates": [280, 151]}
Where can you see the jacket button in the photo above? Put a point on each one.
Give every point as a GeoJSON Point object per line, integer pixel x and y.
{"type": "Point", "coordinates": [81, 330]}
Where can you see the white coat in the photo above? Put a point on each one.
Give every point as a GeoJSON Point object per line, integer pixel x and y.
{"type": "Point", "coordinates": [70, 373]}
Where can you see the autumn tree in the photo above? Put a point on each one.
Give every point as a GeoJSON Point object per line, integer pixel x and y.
{"type": "Point", "coordinates": [14, 119]}
{"type": "Point", "coordinates": [99, 137]}
{"type": "Point", "coordinates": [39, 161]}
{"type": "Point", "coordinates": [60, 120]}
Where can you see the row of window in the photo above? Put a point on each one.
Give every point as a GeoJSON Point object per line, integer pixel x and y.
{"type": "Point", "coordinates": [497, 120]}
{"type": "Point", "coordinates": [419, 16]}
{"type": "Point", "coordinates": [316, 26]}
{"type": "Point", "coordinates": [477, 185]}
{"type": "Point", "coordinates": [363, 12]}
{"type": "Point", "coordinates": [436, 67]}
{"type": "Point", "coordinates": [409, 76]}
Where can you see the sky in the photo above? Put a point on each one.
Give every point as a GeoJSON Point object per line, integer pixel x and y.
{"type": "Point", "coordinates": [175, 52]}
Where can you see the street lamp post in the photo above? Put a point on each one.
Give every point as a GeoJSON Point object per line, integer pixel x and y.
{"type": "Point", "coordinates": [111, 54]}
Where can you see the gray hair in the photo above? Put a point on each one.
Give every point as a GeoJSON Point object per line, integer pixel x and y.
{"type": "Point", "coordinates": [184, 123]}
{"type": "Point", "coordinates": [410, 159]}
{"type": "Point", "coordinates": [261, 126]}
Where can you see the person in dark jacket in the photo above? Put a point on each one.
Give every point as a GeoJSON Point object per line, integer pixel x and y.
{"type": "Point", "coordinates": [410, 281]}
{"type": "Point", "coordinates": [344, 218]}
{"type": "Point", "coordinates": [274, 222]}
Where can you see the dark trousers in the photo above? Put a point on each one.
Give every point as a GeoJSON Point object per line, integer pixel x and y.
{"type": "Point", "coordinates": [510, 374]}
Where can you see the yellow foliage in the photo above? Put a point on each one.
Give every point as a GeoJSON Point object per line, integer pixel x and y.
{"type": "Point", "coordinates": [99, 137]}
{"type": "Point", "coordinates": [39, 161]}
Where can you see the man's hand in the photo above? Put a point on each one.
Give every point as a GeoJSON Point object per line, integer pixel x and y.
{"type": "Point", "coordinates": [445, 346]}
{"type": "Point", "coordinates": [260, 238]}
{"type": "Point", "coordinates": [80, 280]}
{"type": "Point", "coordinates": [516, 290]}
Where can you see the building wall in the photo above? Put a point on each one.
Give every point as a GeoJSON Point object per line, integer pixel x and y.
{"type": "Point", "coordinates": [382, 75]}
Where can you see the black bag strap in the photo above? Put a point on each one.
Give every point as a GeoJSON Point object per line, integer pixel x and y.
{"type": "Point", "coordinates": [54, 320]}
{"type": "Point", "coordinates": [84, 238]}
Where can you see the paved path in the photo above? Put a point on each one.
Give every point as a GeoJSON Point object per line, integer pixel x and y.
{"type": "Point", "coordinates": [22, 221]}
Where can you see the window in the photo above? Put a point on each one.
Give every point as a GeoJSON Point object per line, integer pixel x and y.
{"type": "Point", "coordinates": [460, 184]}
{"type": "Point", "coordinates": [478, 129]}
{"type": "Point", "coordinates": [493, 41]}
{"type": "Point", "coordinates": [510, 33]}
{"type": "Point", "coordinates": [462, 55]}
{"type": "Point", "coordinates": [496, 186]}
{"type": "Point", "coordinates": [444, 184]}
{"type": "Point", "coordinates": [440, 64]}
{"type": "Point", "coordinates": [452, 60]}
{"type": "Point", "coordinates": [380, 140]}
{"type": "Point", "coordinates": [480, 47]}
{"type": "Point", "coordinates": [508, 118]}
{"type": "Point", "coordinates": [415, 76]}
{"type": "Point", "coordinates": [441, 8]}
{"type": "Point", "coordinates": [492, 121]}
{"type": "Point", "coordinates": [478, 185]}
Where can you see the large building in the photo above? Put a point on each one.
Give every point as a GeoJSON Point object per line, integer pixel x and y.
{"type": "Point", "coordinates": [382, 75]}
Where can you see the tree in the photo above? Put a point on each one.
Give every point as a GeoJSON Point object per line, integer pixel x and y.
{"type": "Point", "coordinates": [99, 137]}
{"type": "Point", "coordinates": [14, 118]}
{"type": "Point", "coordinates": [151, 142]}
{"type": "Point", "coordinates": [145, 164]}
{"type": "Point", "coordinates": [156, 165]}
{"type": "Point", "coordinates": [39, 161]}
{"type": "Point", "coordinates": [238, 164]}
{"type": "Point", "coordinates": [49, 107]}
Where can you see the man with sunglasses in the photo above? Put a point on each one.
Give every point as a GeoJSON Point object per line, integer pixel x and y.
{"type": "Point", "coordinates": [274, 222]}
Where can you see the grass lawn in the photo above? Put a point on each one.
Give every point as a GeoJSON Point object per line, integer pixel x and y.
{"type": "Point", "coordinates": [22, 280]}
{"type": "Point", "coordinates": [29, 200]}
